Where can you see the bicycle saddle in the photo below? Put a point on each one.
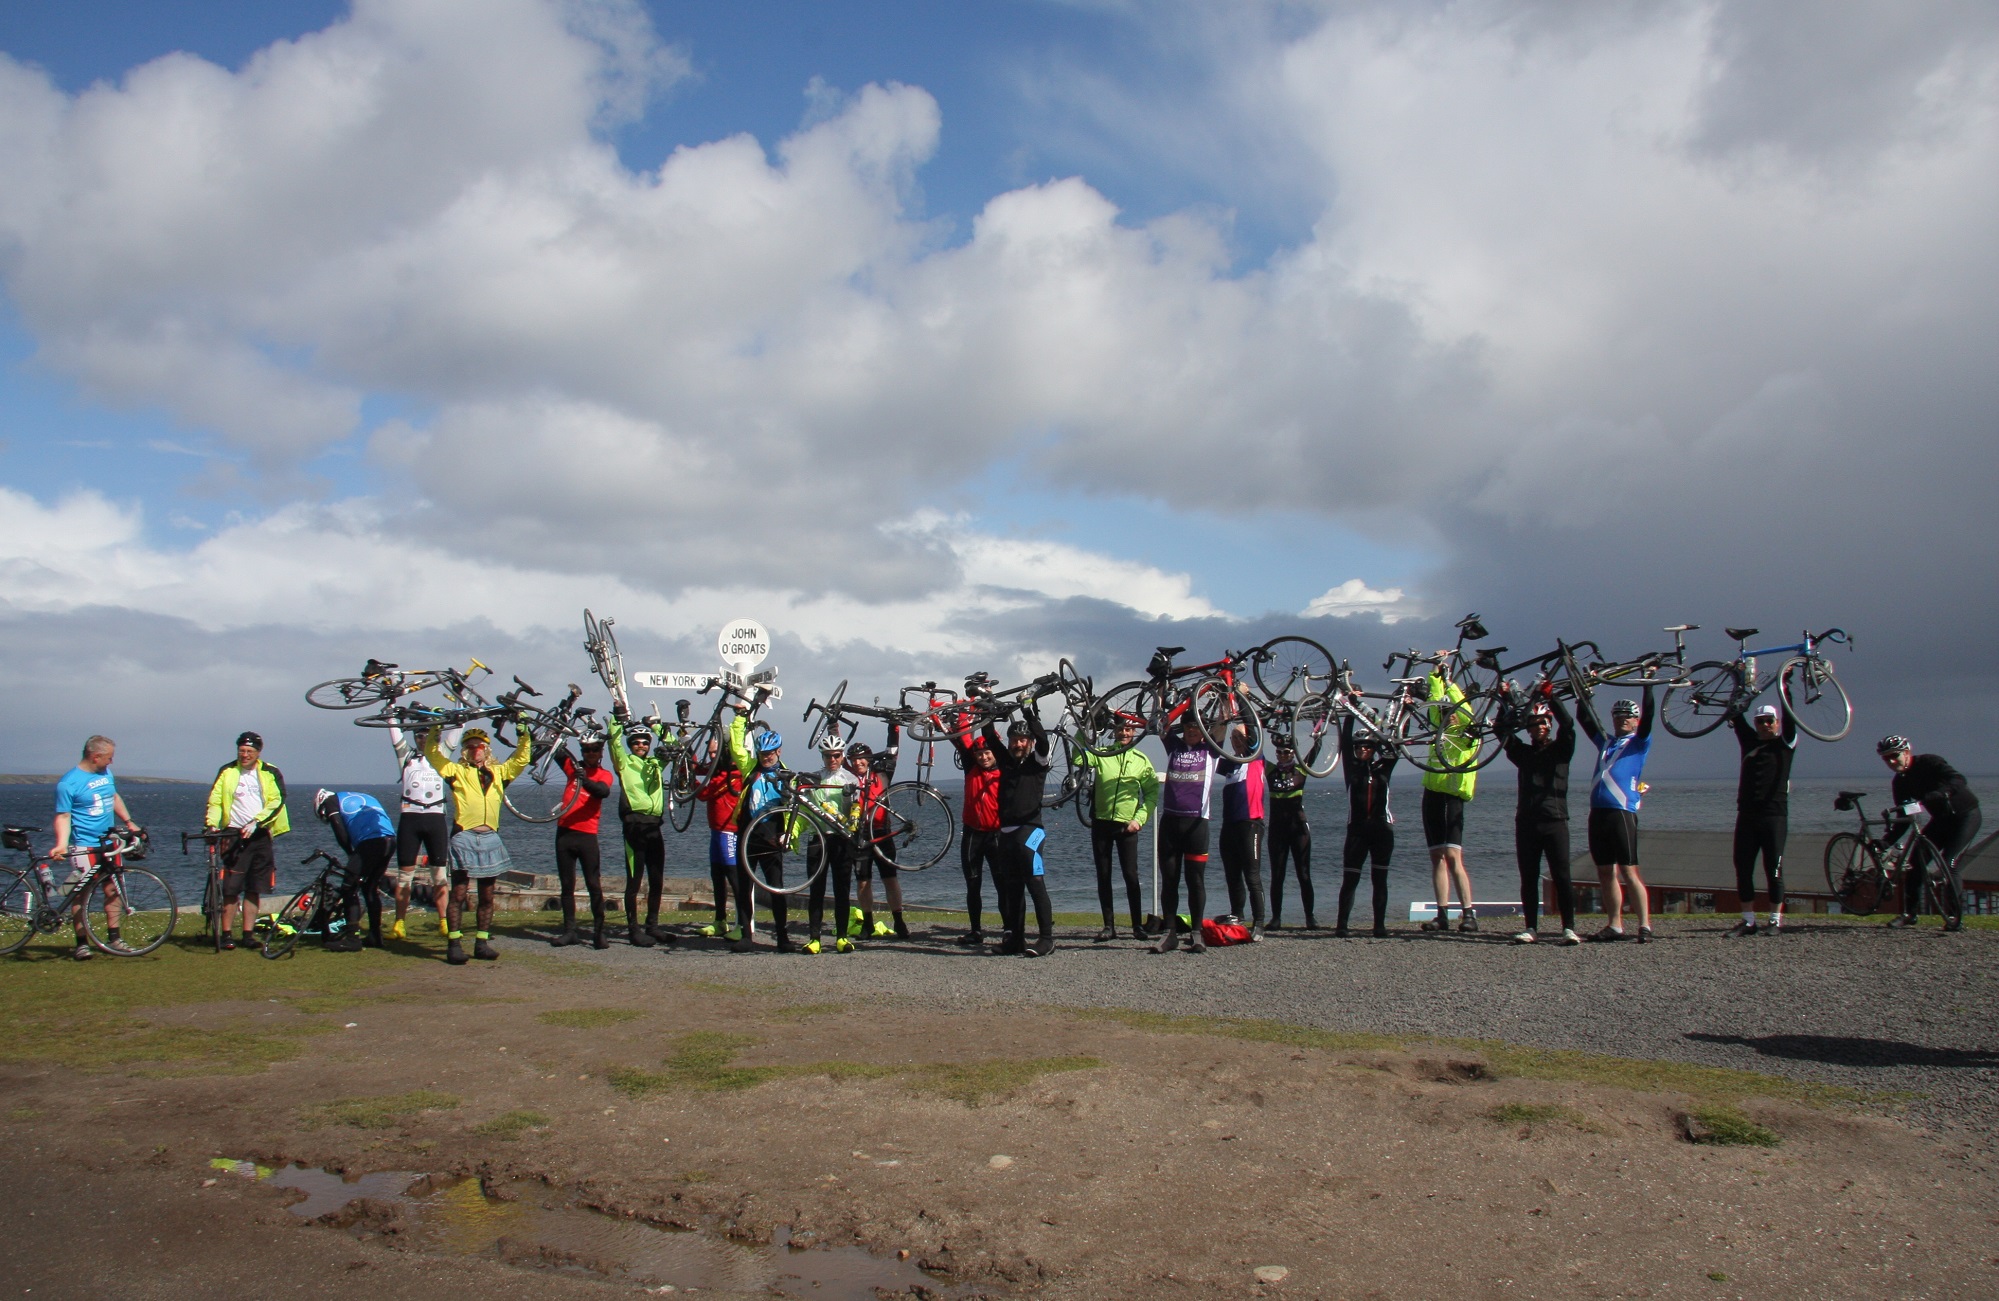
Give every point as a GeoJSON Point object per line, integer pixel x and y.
{"type": "Point", "coordinates": [1488, 656]}
{"type": "Point", "coordinates": [376, 668]}
{"type": "Point", "coordinates": [1742, 634]}
{"type": "Point", "coordinates": [1170, 651]}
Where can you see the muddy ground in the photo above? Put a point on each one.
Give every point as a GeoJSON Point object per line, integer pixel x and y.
{"type": "Point", "coordinates": [561, 1113]}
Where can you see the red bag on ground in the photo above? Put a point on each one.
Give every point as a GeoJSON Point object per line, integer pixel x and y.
{"type": "Point", "coordinates": [1223, 933]}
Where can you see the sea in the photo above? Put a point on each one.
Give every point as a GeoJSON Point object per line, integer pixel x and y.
{"type": "Point", "coordinates": [167, 809]}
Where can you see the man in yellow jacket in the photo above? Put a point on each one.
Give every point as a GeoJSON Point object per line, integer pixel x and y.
{"type": "Point", "coordinates": [478, 787]}
{"type": "Point", "coordinates": [249, 797]}
{"type": "Point", "coordinates": [1445, 794]}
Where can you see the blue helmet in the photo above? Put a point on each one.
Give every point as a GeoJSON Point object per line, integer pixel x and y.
{"type": "Point", "coordinates": [768, 741]}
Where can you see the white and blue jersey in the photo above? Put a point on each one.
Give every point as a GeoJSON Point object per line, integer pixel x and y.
{"type": "Point", "coordinates": [1620, 762]}
{"type": "Point", "coordinates": [361, 818]}
{"type": "Point", "coordinates": [90, 799]}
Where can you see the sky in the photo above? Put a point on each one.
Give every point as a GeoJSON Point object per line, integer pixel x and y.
{"type": "Point", "coordinates": [956, 337]}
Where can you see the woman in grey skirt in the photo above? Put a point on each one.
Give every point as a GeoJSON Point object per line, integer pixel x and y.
{"type": "Point", "coordinates": [477, 854]}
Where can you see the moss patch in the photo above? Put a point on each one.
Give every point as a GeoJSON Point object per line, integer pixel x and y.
{"type": "Point", "coordinates": [588, 1018]}
{"type": "Point", "coordinates": [975, 1082]}
{"type": "Point", "coordinates": [801, 1011]}
{"type": "Point", "coordinates": [385, 1111]}
{"type": "Point", "coordinates": [1727, 1127]}
{"type": "Point", "coordinates": [512, 1125]}
{"type": "Point", "coordinates": [704, 1062]}
{"type": "Point", "coordinates": [1529, 1114]}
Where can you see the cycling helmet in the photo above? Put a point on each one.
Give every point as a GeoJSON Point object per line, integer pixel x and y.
{"type": "Point", "coordinates": [475, 736]}
{"type": "Point", "coordinates": [1125, 718]}
{"type": "Point", "coordinates": [1541, 714]}
{"type": "Point", "coordinates": [1624, 709]}
{"type": "Point", "coordinates": [325, 802]}
{"type": "Point", "coordinates": [1766, 711]}
{"type": "Point", "coordinates": [636, 734]}
{"type": "Point", "coordinates": [251, 738]}
{"type": "Point", "coordinates": [861, 752]}
{"type": "Point", "coordinates": [832, 743]}
{"type": "Point", "coordinates": [1285, 745]}
{"type": "Point", "coordinates": [769, 742]}
{"type": "Point", "coordinates": [1892, 744]}
{"type": "Point", "coordinates": [1017, 729]}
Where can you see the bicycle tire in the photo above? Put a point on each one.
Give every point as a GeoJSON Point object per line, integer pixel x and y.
{"type": "Point", "coordinates": [537, 801]}
{"type": "Point", "coordinates": [351, 693]}
{"type": "Point", "coordinates": [1085, 795]}
{"type": "Point", "coordinates": [793, 848]}
{"type": "Point", "coordinates": [1699, 708]}
{"type": "Point", "coordinates": [1096, 731]}
{"type": "Point", "coordinates": [1220, 708]}
{"type": "Point", "coordinates": [679, 807]}
{"type": "Point", "coordinates": [1316, 720]}
{"type": "Point", "coordinates": [1292, 668]}
{"type": "Point", "coordinates": [1854, 873]}
{"type": "Point", "coordinates": [1061, 764]}
{"type": "Point", "coordinates": [211, 908]}
{"type": "Point", "coordinates": [1814, 698]}
{"type": "Point", "coordinates": [17, 908]}
{"type": "Point", "coordinates": [921, 828]}
{"type": "Point", "coordinates": [284, 928]}
{"type": "Point", "coordinates": [147, 912]}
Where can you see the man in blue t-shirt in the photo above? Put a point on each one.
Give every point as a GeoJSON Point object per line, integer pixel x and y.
{"type": "Point", "coordinates": [87, 801]}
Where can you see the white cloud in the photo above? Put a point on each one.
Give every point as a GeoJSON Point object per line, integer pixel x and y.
{"type": "Point", "coordinates": [1356, 597]}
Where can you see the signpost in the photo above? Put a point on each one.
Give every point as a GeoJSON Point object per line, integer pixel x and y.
{"type": "Point", "coordinates": [743, 644]}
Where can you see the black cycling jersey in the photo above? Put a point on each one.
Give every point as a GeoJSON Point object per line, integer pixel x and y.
{"type": "Point", "coordinates": [1941, 788]}
{"type": "Point", "coordinates": [1022, 781]}
{"type": "Point", "coordinates": [1765, 788]}
{"type": "Point", "coordinates": [1544, 769]}
{"type": "Point", "coordinates": [1367, 779]}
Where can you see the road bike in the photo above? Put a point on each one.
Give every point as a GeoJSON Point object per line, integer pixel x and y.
{"type": "Point", "coordinates": [540, 793]}
{"type": "Point", "coordinates": [1223, 708]}
{"type": "Point", "coordinates": [116, 897]}
{"type": "Point", "coordinates": [1863, 869]}
{"type": "Point", "coordinates": [314, 910]}
{"type": "Point", "coordinates": [601, 645]}
{"type": "Point", "coordinates": [214, 840]}
{"type": "Point", "coordinates": [693, 752]}
{"type": "Point", "coordinates": [1803, 677]}
{"type": "Point", "coordinates": [381, 684]}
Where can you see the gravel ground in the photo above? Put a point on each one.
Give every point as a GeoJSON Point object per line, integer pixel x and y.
{"type": "Point", "coordinates": [1841, 1004]}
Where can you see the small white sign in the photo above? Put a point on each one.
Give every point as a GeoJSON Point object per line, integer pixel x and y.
{"type": "Point", "coordinates": [743, 644]}
{"type": "Point", "coordinates": [672, 681]}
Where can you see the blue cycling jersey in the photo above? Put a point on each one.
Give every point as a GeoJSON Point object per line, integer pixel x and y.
{"type": "Point", "coordinates": [1620, 761]}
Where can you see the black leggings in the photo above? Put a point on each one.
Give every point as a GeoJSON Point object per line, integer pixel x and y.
{"type": "Point", "coordinates": [361, 889]}
{"type": "Point", "coordinates": [978, 853]}
{"type": "Point", "coordinates": [840, 866]}
{"type": "Point", "coordinates": [573, 850]}
{"type": "Point", "coordinates": [1760, 835]}
{"type": "Point", "coordinates": [1242, 866]}
{"type": "Point", "coordinates": [1950, 836]}
{"type": "Point", "coordinates": [1290, 838]}
{"type": "Point", "coordinates": [645, 853]}
{"type": "Point", "coordinates": [767, 856]}
{"type": "Point", "coordinates": [1103, 836]}
{"type": "Point", "coordinates": [1366, 840]}
{"type": "Point", "coordinates": [1021, 853]}
{"type": "Point", "coordinates": [1544, 838]}
{"type": "Point", "coordinates": [1183, 846]}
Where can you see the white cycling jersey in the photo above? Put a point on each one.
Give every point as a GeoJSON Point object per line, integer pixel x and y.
{"type": "Point", "coordinates": [423, 785]}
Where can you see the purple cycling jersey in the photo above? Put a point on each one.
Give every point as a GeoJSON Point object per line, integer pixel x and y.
{"type": "Point", "coordinates": [1183, 788]}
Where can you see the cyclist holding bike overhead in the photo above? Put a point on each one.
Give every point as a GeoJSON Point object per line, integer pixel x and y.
{"type": "Point", "coordinates": [478, 786]}
{"type": "Point", "coordinates": [1023, 765]}
{"type": "Point", "coordinates": [763, 786]}
{"type": "Point", "coordinates": [1615, 793]}
{"type": "Point", "coordinates": [1929, 780]}
{"type": "Point", "coordinates": [362, 828]}
{"type": "Point", "coordinates": [1184, 806]}
{"type": "Point", "coordinates": [873, 771]}
{"type": "Point", "coordinates": [248, 797]}
{"type": "Point", "coordinates": [832, 789]}
{"type": "Point", "coordinates": [1445, 795]}
{"type": "Point", "coordinates": [1370, 822]}
{"type": "Point", "coordinates": [1762, 811]}
{"type": "Point", "coordinates": [87, 801]}
{"type": "Point", "coordinates": [576, 838]}
{"type": "Point", "coordinates": [423, 827]}
{"type": "Point", "coordinates": [641, 811]}
{"type": "Point", "coordinates": [722, 794]}
{"type": "Point", "coordinates": [1541, 818]}
{"type": "Point", "coordinates": [1290, 833]}
{"type": "Point", "coordinates": [979, 849]}
{"type": "Point", "coordinates": [1243, 808]}
{"type": "Point", "coordinates": [1126, 794]}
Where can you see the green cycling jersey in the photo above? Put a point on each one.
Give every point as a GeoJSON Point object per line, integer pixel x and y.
{"type": "Point", "coordinates": [1127, 786]}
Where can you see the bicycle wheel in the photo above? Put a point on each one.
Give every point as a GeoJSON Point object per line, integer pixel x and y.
{"type": "Point", "coordinates": [137, 904]}
{"type": "Point", "coordinates": [1226, 719]}
{"type": "Point", "coordinates": [283, 928]}
{"type": "Point", "coordinates": [679, 807]}
{"type": "Point", "coordinates": [211, 908]}
{"type": "Point", "coordinates": [17, 909]}
{"type": "Point", "coordinates": [351, 693]}
{"type": "Point", "coordinates": [1097, 730]}
{"type": "Point", "coordinates": [538, 798]}
{"type": "Point", "coordinates": [1854, 873]}
{"type": "Point", "coordinates": [1084, 781]}
{"type": "Point", "coordinates": [1315, 727]}
{"type": "Point", "coordinates": [1291, 668]}
{"type": "Point", "coordinates": [920, 827]}
{"type": "Point", "coordinates": [784, 849]}
{"type": "Point", "coordinates": [1699, 708]}
{"type": "Point", "coordinates": [1815, 699]}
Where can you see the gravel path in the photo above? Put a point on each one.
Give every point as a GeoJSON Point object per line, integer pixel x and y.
{"type": "Point", "coordinates": [1841, 1004]}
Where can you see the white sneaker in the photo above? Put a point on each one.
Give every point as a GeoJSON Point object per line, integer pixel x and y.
{"type": "Point", "coordinates": [1570, 937]}
{"type": "Point", "coordinates": [1524, 937]}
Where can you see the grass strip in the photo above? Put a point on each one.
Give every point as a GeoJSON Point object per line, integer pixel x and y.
{"type": "Point", "coordinates": [704, 1062]}
{"type": "Point", "coordinates": [512, 1125]}
{"type": "Point", "coordinates": [588, 1018]}
{"type": "Point", "coordinates": [1727, 1127]}
{"type": "Point", "coordinates": [384, 1111]}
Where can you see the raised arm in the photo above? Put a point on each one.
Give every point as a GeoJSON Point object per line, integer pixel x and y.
{"type": "Point", "coordinates": [1647, 710]}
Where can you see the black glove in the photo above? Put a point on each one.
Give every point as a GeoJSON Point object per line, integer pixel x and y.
{"type": "Point", "coordinates": [622, 714]}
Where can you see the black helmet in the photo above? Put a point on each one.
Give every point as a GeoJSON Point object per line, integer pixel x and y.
{"type": "Point", "coordinates": [1892, 744]}
{"type": "Point", "coordinates": [1017, 729]}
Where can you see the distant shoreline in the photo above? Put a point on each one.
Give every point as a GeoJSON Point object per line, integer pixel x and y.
{"type": "Point", "coordinates": [50, 779]}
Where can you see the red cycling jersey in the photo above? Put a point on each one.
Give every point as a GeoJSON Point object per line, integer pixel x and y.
{"type": "Point", "coordinates": [722, 793]}
{"type": "Point", "coordinates": [583, 798]}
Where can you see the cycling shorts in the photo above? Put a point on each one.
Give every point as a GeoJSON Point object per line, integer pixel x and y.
{"type": "Point", "coordinates": [250, 867]}
{"type": "Point", "coordinates": [1183, 836]}
{"type": "Point", "coordinates": [866, 861]}
{"type": "Point", "coordinates": [1613, 837]}
{"type": "Point", "coordinates": [721, 849]}
{"type": "Point", "coordinates": [428, 834]}
{"type": "Point", "coordinates": [1443, 820]}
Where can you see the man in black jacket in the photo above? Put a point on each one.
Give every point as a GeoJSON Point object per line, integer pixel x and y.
{"type": "Point", "coordinates": [1928, 781]}
{"type": "Point", "coordinates": [1763, 811]}
{"type": "Point", "coordinates": [1541, 818]}
{"type": "Point", "coordinates": [1023, 765]}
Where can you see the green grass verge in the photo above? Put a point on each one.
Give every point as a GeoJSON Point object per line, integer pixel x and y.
{"type": "Point", "coordinates": [1530, 1114]}
{"type": "Point", "coordinates": [1710, 1083]}
{"type": "Point", "coordinates": [704, 1062]}
{"type": "Point", "coordinates": [588, 1018]}
{"type": "Point", "coordinates": [385, 1111]}
{"type": "Point", "coordinates": [512, 1125]}
{"type": "Point", "coordinates": [1727, 1127]}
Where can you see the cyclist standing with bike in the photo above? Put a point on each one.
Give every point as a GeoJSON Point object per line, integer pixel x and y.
{"type": "Point", "coordinates": [248, 797]}
{"type": "Point", "coordinates": [478, 788]}
{"type": "Point", "coordinates": [1929, 780]}
{"type": "Point", "coordinates": [1370, 822]}
{"type": "Point", "coordinates": [1290, 834]}
{"type": "Point", "coordinates": [722, 794]}
{"type": "Point", "coordinates": [832, 789]}
{"type": "Point", "coordinates": [1023, 766]}
{"type": "Point", "coordinates": [1541, 818]}
{"type": "Point", "coordinates": [576, 838]}
{"type": "Point", "coordinates": [1183, 832]}
{"type": "Point", "coordinates": [361, 826]}
{"type": "Point", "coordinates": [873, 771]}
{"type": "Point", "coordinates": [1445, 794]}
{"type": "Point", "coordinates": [1615, 792]}
{"type": "Point", "coordinates": [423, 827]}
{"type": "Point", "coordinates": [87, 801]}
{"type": "Point", "coordinates": [979, 848]}
{"type": "Point", "coordinates": [1126, 795]}
{"type": "Point", "coordinates": [641, 812]}
{"type": "Point", "coordinates": [1762, 811]}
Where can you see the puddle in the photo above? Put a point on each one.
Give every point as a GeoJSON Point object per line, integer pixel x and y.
{"type": "Point", "coordinates": [458, 1217]}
